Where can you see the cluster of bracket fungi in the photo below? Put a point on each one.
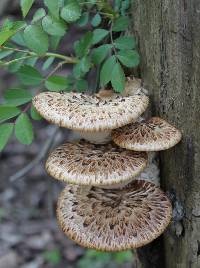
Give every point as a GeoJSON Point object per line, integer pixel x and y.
{"type": "Point", "coordinates": [105, 205]}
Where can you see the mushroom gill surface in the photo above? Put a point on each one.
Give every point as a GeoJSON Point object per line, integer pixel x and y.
{"type": "Point", "coordinates": [85, 163]}
{"type": "Point", "coordinates": [114, 219]}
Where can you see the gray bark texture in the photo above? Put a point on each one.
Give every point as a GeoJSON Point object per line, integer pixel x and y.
{"type": "Point", "coordinates": [168, 34]}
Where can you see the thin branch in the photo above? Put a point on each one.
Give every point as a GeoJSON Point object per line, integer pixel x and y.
{"type": "Point", "coordinates": [58, 66]}
{"type": "Point", "coordinates": [111, 38]}
{"type": "Point", "coordinates": [37, 159]}
{"type": "Point", "coordinates": [67, 59]}
{"type": "Point", "coordinates": [15, 60]}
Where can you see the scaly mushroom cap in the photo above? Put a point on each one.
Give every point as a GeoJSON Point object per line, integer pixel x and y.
{"type": "Point", "coordinates": [84, 163]}
{"type": "Point", "coordinates": [154, 134]}
{"type": "Point", "coordinates": [114, 220]}
{"type": "Point", "coordinates": [89, 113]}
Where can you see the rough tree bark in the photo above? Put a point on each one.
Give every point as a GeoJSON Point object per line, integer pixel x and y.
{"type": "Point", "coordinates": [168, 33]}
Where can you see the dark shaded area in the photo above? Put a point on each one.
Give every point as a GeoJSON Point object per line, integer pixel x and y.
{"type": "Point", "coordinates": [152, 255]}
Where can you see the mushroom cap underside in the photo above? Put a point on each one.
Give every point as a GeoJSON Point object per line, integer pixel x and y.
{"type": "Point", "coordinates": [154, 134]}
{"type": "Point", "coordinates": [89, 112]}
{"type": "Point", "coordinates": [114, 219]}
{"type": "Point", "coordinates": [85, 163]}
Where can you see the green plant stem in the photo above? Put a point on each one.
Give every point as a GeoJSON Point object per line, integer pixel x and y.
{"type": "Point", "coordinates": [67, 59]}
{"type": "Point", "coordinates": [15, 60]}
{"type": "Point", "coordinates": [111, 38]}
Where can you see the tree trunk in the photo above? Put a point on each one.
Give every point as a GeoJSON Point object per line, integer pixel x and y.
{"type": "Point", "coordinates": [168, 33]}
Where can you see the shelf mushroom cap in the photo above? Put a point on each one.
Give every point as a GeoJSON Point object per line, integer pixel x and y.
{"type": "Point", "coordinates": [83, 112]}
{"type": "Point", "coordinates": [114, 219]}
{"type": "Point", "coordinates": [154, 134]}
{"type": "Point", "coordinates": [84, 163]}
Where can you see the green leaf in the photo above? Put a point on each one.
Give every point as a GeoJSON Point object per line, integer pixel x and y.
{"type": "Point", "coordinates": [125, 6]}
{"type": "Point", "coordinates": [82, 46]}
{"type": "Point", "coordinates": [18, 38]}
{"type": "Point", "coordinates": [55, 41]}
{"type": "Point", "coordinates": [5, 35]}
{"type": "Point", "coordinates": [129, 58]}
{"type": "Point", "coordinates": [121, 24]}
{"type": "Point", "coordinates": [85, 64]}
{"type": "Point", "coordinates": [31, 61]}
{"type": "Point", "coordinates": [81, 85]}
{"type": "Point", "coordinates": [5, 53]}
{"type": "Point", "coordinates": [24, 129]}
{"type": "Point", "coordinates": [125, 42]}
{"type": "Point", "coordinates": [8, 112]}
{"type": "Point", "coordinates": [7, 25]}
{"type": "Point", "coordinates": [71, 12]}
{"type": "Point", "coordinates": [124, 256]}
{"type": "Point", "coordinates": [18, 25]}
{"type": "Point", "coordinates": [53, 7]}
{"type": "Point", "coordinates": [99, 35]}
{"type": "Point", "coordinates": [96, 20]}
{"type": "Point", "coordinates": [17, 96]}
{"type": "Point", "coordinates": [118, 78]}
{"type": "Point", "coordinates": [29, 76]}
{"type": "Point", "coordinates": [117, 5]}
{"type": "Point", "coordinates": [83, 19]}
{"type": "Point", "coordinates": [39, 14]}
{"type": "Point", "coordinates": [26, 6]}
{"type": "Point", "coordinates": [5, 133]}
{"type": "Point", "coordinates": [82, 67]}
{"type": "Point", "coordinates": [77, 72]}
{"type": "Point", "coordinates": [36, 39]}
{"type": "Point", "coordinates": [53, 26]}
{"type": "Point", "coordinates": [106, 70]}
{"type": "Point", "coordinates": [56, 83]}
{"type": "Point", "coordinates": [34, 114]}
{"type": "Point", "coordinates": [100, 53]}
{"type": "Point", "coordinates": [53, 257]}
{"type": "Point", "coordinates": [14, 67]}
{"type": "Point", "coordinates": [47, 63]}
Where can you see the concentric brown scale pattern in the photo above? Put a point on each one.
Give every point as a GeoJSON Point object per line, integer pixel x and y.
{"type": "Point", "coordinates": [154, 134]}
{"type": "Point", "coordinates": [91, 164]}
{"type": "Point", "coordinates": [114, 220]}
{"type": "Point", "coordinates": [89, 113]}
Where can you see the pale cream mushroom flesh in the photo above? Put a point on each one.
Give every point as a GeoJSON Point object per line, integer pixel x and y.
{"type": "Point", "coordinates": [84, 163]}
{"type": "Point", "coordinates": [114, 220]}
{"type": "Point", "coordinates": [151, 135]}
{"type": "Point", "coordinates": [90, 114]}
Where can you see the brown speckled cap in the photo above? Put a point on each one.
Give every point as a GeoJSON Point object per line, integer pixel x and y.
{"type": "Point", "coordinates": [89, 113]}
{"type": "Point", "coordinates": [154, 134]}
{"type": "Point", "coordinates": [84, 163]}
{"type": "Point", "coordinates": [114, 220]}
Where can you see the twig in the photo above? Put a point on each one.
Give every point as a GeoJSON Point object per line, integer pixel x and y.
{"type": "Point", "coordinates": [58, 66]}
{"type": "Point", "coordinates": [37, 159]}
{"type": "Point", "coordinates": [67, 59]}
{"type": "Point", "coordinates": [15, 60]}
{"type": "Point", "coordinates": [111, 38]}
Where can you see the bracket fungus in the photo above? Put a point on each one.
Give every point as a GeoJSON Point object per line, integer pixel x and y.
{"type": "Point", "coordinates": [84, 163]}
{"type": "Point", "coordinates": [107, 205]}
{"type": "Point", "coordinates": [90, 114]}
{"type": "Point", "coordinates": [151, 135]}
{"type": "Point", "coordinates": [114, 219]}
